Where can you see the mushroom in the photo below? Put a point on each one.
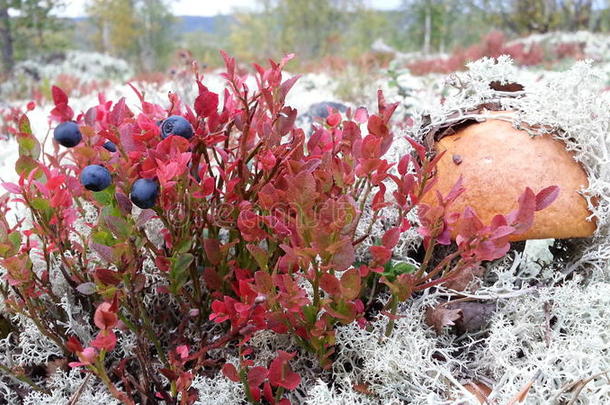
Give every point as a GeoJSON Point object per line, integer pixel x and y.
{"type": "Point", "coordinates": [497, 161]}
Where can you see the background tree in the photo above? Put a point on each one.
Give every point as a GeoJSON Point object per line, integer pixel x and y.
{"type": "Point", "coordinates": [156, 41]}
{"type": "Point", "coordinates": [139, 31]}
{"type": "Point", "coordinates": [309, 28]}
{"type": "Point", "coordinates": [7, 38]}
{"type": "Point", "coordinates": [522, 17]}
{"type": "Point", "coordinates": [29, 28]}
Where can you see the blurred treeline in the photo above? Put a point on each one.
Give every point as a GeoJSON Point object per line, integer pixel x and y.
{"type": "Point", "coordinates": [145, 33]}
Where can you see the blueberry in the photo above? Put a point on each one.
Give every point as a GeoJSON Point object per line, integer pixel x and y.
{"type": "Point", "coordinates": [144, 193]}
{"type": "Point", "coordinates": [67, 134]}
{"type": "Point", "coordinates": [320, 110]}
{"type": "Point", "coordinates": [95, 177]}
{"type": "Point", "coordinates": [176, 125]}
{"type": "Point", "coordinates": [109, 146]}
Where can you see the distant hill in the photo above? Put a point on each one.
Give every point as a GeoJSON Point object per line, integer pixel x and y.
{"type": "Point", "coordinates": [209, 25]}
{"type": "Point", "coordinates": [185, 24]}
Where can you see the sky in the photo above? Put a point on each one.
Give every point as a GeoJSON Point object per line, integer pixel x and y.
{"type": "Point", "coordinates": [76, 8]}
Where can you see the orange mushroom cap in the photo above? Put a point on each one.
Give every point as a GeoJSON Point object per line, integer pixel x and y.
{"type": "Point", "coordinates": [497, 162]}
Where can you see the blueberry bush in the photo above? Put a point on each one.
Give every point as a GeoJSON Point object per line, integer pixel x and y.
{"type": "Point", "coordinates": [180, 232]}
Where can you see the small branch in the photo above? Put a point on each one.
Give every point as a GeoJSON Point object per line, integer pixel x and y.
{"type": "Point", "coordinates": [24, 379]}
{"type": "Point", "coordinates": [579, 385]}
{"type": "Point", "coordinates": [76, 396]}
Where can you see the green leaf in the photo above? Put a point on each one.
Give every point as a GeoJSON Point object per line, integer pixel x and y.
{"type": "Point", "coordinates": [311, 314]}
{"type": "Point", "coordinates": [41, 204]}
{"type": "Point", "coordinates": [29, 146]}
{"type": "Point", "coordinates": [403, 267]}
{"type": "Point", "coordinates": [184, 246]}
{"type": "Point", "coordinates": [350, 284]}
{"type": "Point", "coordinates": [103, 238]}
{"type": "Point", "coordinates": [24, 125]}
{"type": "Point", "coordinates": [110, 210]}
{"type": "Point", "coordinates": [259, 254]}
{"type": "Point", "coordinates": [178, 273]}
{"type": "Point", "coordinates": [15, 238]}
{"type": "Point", "coordinates": [105, 197]}
{"type": "Point", "coordinates": [118, 226]}
{"type": "Point", "coordinates": [24, 165]}
{"type": "Point", "coordinates": [393, 271]}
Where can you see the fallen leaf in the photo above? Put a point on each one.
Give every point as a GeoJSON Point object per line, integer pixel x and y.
{"type": "Point", "coordinates": [440, 316]}
{"type": "Point", "coordinates": [363, 389]}
{"type": "Point", "coordinates": [463, 279]}
{"type": "Point", "coordinates": [508, 87]}
{"type": "Point", "coordinates": [479, 390]}
{"type": "Point", "coordinates": [522, 394]}
{"type": "Point", "coordinates": [474, 315]}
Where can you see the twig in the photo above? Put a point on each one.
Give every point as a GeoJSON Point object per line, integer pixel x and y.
{"type": "Point", "coordinates": [511, 294]}
{"type": "Point", "coordinates": [75, 397]}
{"type": "Point", "coordinates": [522, 394]}
{"type": "Point", "coordinates": [547, 324]}
{"type": "Point", "coordinates": [579, 385]}
{"type": "Point", "coordinates": [24, 379]}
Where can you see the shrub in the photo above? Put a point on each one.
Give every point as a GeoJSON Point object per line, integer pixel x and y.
{"type": "Point", "coordinates": [492, 46]}
{"type": "Point", "coordinates": [254, 228]}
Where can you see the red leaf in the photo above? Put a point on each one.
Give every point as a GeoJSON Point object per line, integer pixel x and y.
{"type": "Point", "coordinates": [455, 192]}
{"type": "Point", "coordinates": [206, 103]}
{"type": "Point", "coordinates": [104, 317]}
{"type": "Point", "coordinates": [330, 284]}
{"type": "Point", "coordinates": [361, 115]}
{"type": "Point", "coordinates": [257, 376]}
{"type": "Point", "coordinates": [287, 85]}
{"type": "Point", "coordinates": [379, 198]}
{"type": "Point", "coordinates": [59, 96]}
{"type": "Point", "coordinates": [12, 188]}
{"type": "Point", "coordinates": [169, 374]}
{"type": "Point", "coordinates": [390, 238]}
{"type": "Point", "coordinates": [105, 340]}
{"type": "Point", "coordinates": [230, 372]}
{"type": "Point", "coordinates": [371, 147]}
{"type": "Point", "coordinates": [264, 283]}
{"type": "Point", "coordinates": [469, 224]}
{"type": "Point", "coordinates": [381, 254]}
{"type": "Point", "coordinates": [546, 197]}
{"type": "Point", "coordinates": [333, 119]}
{"type": "Point", "coordinates": [280, 373]}
{"type": "Point", "coordinates": [523, 218]}
{"type": "Point", "coordinates": [183, 351]}
{"type": "Point", "coordinates": [163, 263]}
{"type": "Point", "coordinates": [229, 63]}
{"type": "Point", "coordinates": [377, 127]}
{"type": "Point", "coordinates": [421, 151]}
{"type": "Point", "coordinates": [403, 164]}
{"type": "Point", "coordinates": [343, 254]}
{"type": "Point", "coordinates": [74, 345]}
{"type": "Point", "coordinates": [118, 113]}
{"type": "Point", "coordinates": [212, 250]}
{"type": "Point", "coordinates": [107, 277]}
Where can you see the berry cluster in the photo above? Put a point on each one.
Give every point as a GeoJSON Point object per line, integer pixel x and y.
{"type": "Point", "coordinates": [144, 192]}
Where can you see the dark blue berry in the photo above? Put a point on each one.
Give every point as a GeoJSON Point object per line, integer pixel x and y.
{"type": "Point", "coordinates": [176, 125]}
{"type": "Point", "coordinates": [109, 146]}
{"type": "Point", "coordinates": [67, 134]}
{"type": "Point", "coordinates": [320, 110]}
{"type": "Point", "coordinates": [95, 177]}
{"type": "Point", "coordinates": [144, 193]}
